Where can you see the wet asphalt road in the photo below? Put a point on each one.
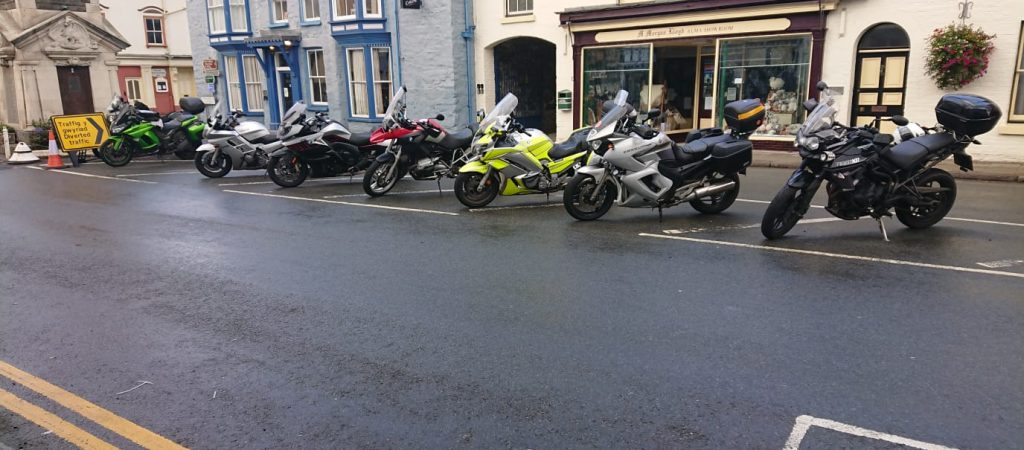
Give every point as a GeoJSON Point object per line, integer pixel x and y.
{"type": "Point", "coordinates": [279, 322]}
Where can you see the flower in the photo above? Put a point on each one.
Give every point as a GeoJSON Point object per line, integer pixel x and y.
{"type": "Point", "coordinates": [958, 55]}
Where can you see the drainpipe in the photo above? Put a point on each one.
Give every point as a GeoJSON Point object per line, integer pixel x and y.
{"type": "Point", "coordinates": [467, 35]}
{"type": "Point", "coordinates": [398, 43]}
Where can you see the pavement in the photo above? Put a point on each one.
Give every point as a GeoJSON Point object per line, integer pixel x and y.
{"type": "Point", "coordinates": [230, 313]}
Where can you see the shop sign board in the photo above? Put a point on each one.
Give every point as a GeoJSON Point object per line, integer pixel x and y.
{"type": "Point", "coordinates": [159, 73]}
{"type": "Point", "coordinates": [210, 68]}
{"type": "Point", "coordinates": [687, 31]}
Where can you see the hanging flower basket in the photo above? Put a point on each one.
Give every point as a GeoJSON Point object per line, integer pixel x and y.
{"type": "Point", "coordinates": [958, 55]}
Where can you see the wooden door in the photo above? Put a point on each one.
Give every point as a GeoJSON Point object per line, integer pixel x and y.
{"type": "Point", "coordinates": [75, 89]}
{"type": "Point", "coordinates": [880, 88]}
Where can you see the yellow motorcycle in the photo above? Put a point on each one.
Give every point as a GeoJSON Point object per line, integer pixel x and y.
{"type": "Point", "coordinates": [513, 160]}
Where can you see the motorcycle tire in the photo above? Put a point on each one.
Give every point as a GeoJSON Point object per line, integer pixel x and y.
{"type": "Point", "coordinates": [185, 149]}
{"type": "Point", "coordinates": [920, 217]}
{"type": "Point", "coordinates": [716, 203]}
{"type": "Point", "coordinates": [579, 191]}
{"type": "Point", "coordinates": [287, 171]}
{"type": "Point", "coordinates": [466, 189]}
{"type": "Point", "coordinates": [117, 157]}
{"type": "Point", "coordinates": [213, 169]}
{"type": "Point", "coordinates": [374, 183]}
{"type": "Point", "coordinates": [781, 215]}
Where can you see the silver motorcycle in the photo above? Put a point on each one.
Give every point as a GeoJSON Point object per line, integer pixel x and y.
{"type": "Point", "coordinates": [635, 166]}
{"type": "Point", "coordinates": [232, 145]}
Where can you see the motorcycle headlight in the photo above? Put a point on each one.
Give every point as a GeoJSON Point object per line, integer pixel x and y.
{"type": "Point", "coordinates": [808, 142]}
{"type": "Point", "coordinates": [118, 129]}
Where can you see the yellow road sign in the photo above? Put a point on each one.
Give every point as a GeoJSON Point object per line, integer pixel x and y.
{"type": "Point", "coordinates": [80, 131]}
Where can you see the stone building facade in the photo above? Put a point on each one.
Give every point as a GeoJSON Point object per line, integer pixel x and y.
{"type": "Point", "coordinates": [56, 57]}
{"type": "Point", "coordinates": [345, 57]}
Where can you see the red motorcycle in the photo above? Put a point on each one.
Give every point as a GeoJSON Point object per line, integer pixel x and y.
{"type": "Point", "coordinates": [423, 149]}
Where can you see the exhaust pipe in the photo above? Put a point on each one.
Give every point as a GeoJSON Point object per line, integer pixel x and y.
{"type": "Point", "coordinates": [709, 190]}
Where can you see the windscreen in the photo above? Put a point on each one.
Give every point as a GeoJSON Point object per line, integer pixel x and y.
{"type": "Point", "coordinates": [505, 107]}
{"type": "Point", "coordinates": [609, 122]}
{"type": "Point", "coordinates": [396, 105]}
{"type": "Point", "coordinates": [294, 113]}
{"type": "Point", "coordinates": [817, 120]}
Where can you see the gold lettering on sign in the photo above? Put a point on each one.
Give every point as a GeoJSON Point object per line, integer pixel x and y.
{"type": "Point", "coordinates": [685, 31]}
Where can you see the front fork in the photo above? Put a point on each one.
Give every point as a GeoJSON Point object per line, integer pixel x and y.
{"type": "Point", "coordinates": [483, 180]}
{"type": "Point", "coordinates": [398, 160]}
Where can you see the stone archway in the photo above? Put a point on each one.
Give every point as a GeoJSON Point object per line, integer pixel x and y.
{"type": "Point", "coordinates": [525, 66]}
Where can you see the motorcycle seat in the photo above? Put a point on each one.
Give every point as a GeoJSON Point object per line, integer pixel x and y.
{"type": "Point", "coordinates": [148, 115]}
{"type": "Point", "coordinates": [910, 153]}
{"type": "Point", "coordinates": [576, 143]}
{"type": "Point", "coordinates": [180, 116]}
{"type": "Point", "coordinates": [701, 147]}
{"type": "Point", "coordinates": [359, 139]}
{"type": "Point", "coordinates": [678, 156]}
{"type": "Point", "coordinates": [458, 139]}
{"type": "Point", "coordinates": [172, 125]}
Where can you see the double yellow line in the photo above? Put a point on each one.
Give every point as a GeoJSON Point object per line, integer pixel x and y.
{"type": "Point", "coordinates": [85, 408]}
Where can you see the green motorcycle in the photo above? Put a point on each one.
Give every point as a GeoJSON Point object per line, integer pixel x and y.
{"type": "Point", "coordinates": [135, 130]}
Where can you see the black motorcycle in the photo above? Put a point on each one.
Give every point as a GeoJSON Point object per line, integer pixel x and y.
{"type": "Point", "coordinates": [867, 175]}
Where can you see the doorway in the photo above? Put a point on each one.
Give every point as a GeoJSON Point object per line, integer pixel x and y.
{"type": "Point", "coordinates": [525, 66]}
{"type": "Point", "coordinates": [284, 84]}
{"type": "Point", "coordinates": [75, 89]}
{"type": "Point", "coordinates": [880, 75]}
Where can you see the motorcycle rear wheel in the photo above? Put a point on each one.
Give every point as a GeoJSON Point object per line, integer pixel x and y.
{"type": "Point", "coordinates": [578, 202]}
{"type": "Point", "coordinates": [919, 217]}
{"type": "Point", "coordinates": [781, 215]}
{"type": "Point", "coordinates": [468, 192]}
{"type": "Point", "coordinates": [119, 155]}
{"type": "Point", "coordinates": [716, 203]}
{"type": "Point", "coordinates": [376, 181]}
{"type": "Point", "coordinates": [213, 169]}
{"type": "Point", "coordinates": [183, 148]}
{"type": "Point", "coordinates": [287, 171]}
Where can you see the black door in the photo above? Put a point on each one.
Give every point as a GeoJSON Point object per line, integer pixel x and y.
{"type": "Point", "coordinates": [75, 89]}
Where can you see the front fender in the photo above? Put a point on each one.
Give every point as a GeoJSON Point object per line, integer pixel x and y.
{"type": "Point", "coordinates": [800, 179]}
{"type": "Point", "coordinates": [280, 152]}
{"type": "Point", "coordinates": [474, 166]}
{"type": "Point", "coordinates": [597, 172]}
{"type": "Point", "coordinates": [205, 148]}
{"type": "Point", "coordinates": [386, 157]}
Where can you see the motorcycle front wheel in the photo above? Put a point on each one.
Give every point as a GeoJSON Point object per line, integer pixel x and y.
{"type": "Point", "coordinates": [376, 180]}
{"type": "Point", "coordinates": [716, 203]}
{"type": "Point", "coordinates": [211, 167]}
{"type": "Point", "coordinates": [781, 215]}
{"type": "Point", "coordinates": [287, 171]}
{"type": "Point", "coordinates": [940, 200]}
{"type": "Point", "coordinates": [585, 200]}
{"type": "Point", "coordinates": [183, 147]}
{"type": "Point", "coordinates": [468, 191]}
{"type": "Point", "coordinates": [117, 154]}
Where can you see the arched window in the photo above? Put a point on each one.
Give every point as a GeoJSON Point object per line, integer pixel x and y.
{"type": "Point", "coordinates": [881, 75]}
{"type": "Point", "coordinates": [884, 36]}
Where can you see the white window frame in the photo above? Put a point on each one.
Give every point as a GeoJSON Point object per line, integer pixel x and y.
{"type": "Point", "coordinates": [519, 7]}
{"type": "Point", "coordinates": [215, 8]}
{"type": "Point", "coordinates": [128, 82]}
{"type": "Point", "coordinates": [313, 76]}
{"type": "Point", "coordinates": [255, 79]}
{"type": "Point", "coordinates": [366, 11]}
{"type": "Point", "coordinates": [305, 10]}
{"type": "Point", "coordinates": [1018, 80]}
{"type": "Point", "coordinates": [273, 11]}
{"type": "Point", "coordinates": [163, 32]}
{"type": "Point", "coordinates": [352, 82]}
{"type": "Point", "coordinates": [231, 66]}
{"type": "Point", "coordinates": [334, 9]}
{"type": "Point", "coordinates": [244, 16]}
{"type": "Point", "coordinates": [375, 82]}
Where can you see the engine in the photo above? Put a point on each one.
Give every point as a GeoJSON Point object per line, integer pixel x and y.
{"type": "Point", "coordinates": [852, 194]}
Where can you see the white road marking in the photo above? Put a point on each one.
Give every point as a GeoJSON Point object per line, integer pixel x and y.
{"type": "Point", "coordinates": [1001, 263]}
{"type": "Point", "coordinates": [804, 423]}
{"type": "Point", "coordinates": [315, 180]}
{"type": "Point", "coordinates": [838, 255]}
{"type": "Point", "coordinates": [149, 161]}
{"type": "Point", "coordinates": [744, 227]}
{"type": "Point", "coordinates": [177, 172]}
{"type": "Point", "coordinates": [365, 205]}
{"type": "Point", "coordinates": [431, 191]}
{"type": "Point", "coordinates": [92, 176]}
{"type": "Point", "coordinates": [505, 208]}
{"type": "Point", "coordinates": [959, 219]}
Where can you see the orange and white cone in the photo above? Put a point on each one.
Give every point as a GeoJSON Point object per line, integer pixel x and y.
{"type": "Point", "coordinates": [54, 161]}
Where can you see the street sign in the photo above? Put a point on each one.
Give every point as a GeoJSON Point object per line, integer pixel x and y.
{"type": "Point", "coordinates": [211, 80]}
{"type": "Point", "coordinates": [210, 68]}
{"type": "Point", "coordinates": [80, 131]}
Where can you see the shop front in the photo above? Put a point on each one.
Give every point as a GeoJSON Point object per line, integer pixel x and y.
{"type": "Point", "coordinates": [689, 59]}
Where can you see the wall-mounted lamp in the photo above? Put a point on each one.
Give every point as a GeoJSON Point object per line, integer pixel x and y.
{"type": "Point", "coordinates": [287, 44]}
{"type": "Point", "coordinates": [272, 48]}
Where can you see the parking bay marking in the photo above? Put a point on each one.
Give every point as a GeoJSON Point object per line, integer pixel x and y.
{"type": "Point", "coordinates": [959, 219]}
{"type": "Point", "coordinates": [51, 422]}
{"type": "Point", "coordinates": [804, 423]}
{"type": "Point", "coordinates": [89, 410]}
{"type": "Point", "coordinates": [335, 202]}
{"type": "Point", "coordinates": [744, 227]}
{"type": "Point", "coordinates": [315, 180]}
{"type": "Point", "coordinates": [506, 208]}
{"type": "Point", "coordinates": [838, 255]}
{"type": "Point", "coordinates": [392, 193]}
{"type": "Point", "coordinates": [177, 172]}
{"type": "Point", "coordinates": [92, 176]}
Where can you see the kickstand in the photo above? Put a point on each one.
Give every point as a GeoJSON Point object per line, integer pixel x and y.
{"type": "Point", "coordinates": [549, 197]}
{"type": "Point", "coordinates": [439, 192]}
{"type": "Point", "coordinates": [881, 227]}
{"type": "Point", "coordinates": [660, 215]}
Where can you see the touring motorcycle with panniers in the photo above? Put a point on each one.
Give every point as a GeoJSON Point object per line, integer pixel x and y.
{"type": "Point", "coordinates": [230, 144]}
{"type": "Point", "coordinates": [135, 130]}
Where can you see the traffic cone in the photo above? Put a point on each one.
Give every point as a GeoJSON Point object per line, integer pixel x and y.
{"type": "Point", "coordinates": [22, 155]}
{"type": "Point", "coordinates": [54, 161]}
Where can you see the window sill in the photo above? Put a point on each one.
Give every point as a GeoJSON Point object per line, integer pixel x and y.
{"type": "Point", "coordinates": [317, 107]}
{"type": "Point", "coordinates": [364, 119]}
{"type": "Point", "coordinates": [518, 18]}
{"type": "Point", "coordinates": [310, 23]}
{"type": "Point", "coordinates": [1013, 129]}
{"type": "Point", "coordinates": [279, 25]}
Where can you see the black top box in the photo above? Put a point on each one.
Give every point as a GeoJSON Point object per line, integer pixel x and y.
{"type": "Point", "coordinates": [744, 116]}
{"type": "Point", "coordinates": [967, 114]}
{"type": "Point", "coordinates": [192, 105]}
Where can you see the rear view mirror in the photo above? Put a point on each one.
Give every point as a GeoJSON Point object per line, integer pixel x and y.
{"type": "Point", "coordinates": [821, 86]}
{"type": "Point", "coordinates": [900, 120]}
{"type": "Point", "coordinates": [439, 117]}
{"type": "Point", "coordinates": [653, 114]}
{"type": "Point", "coordinates": [810, 104]}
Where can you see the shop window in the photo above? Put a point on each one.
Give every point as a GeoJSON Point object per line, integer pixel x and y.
{"type": "Point", "coordinates": [344, 9]}
{"type": "Point", "coordinates": [773, 69]}
{"type": "Point", "coordinates": [518, 7]}
{"type": "Point", "coordinates": [357, 94]}
{"type": "Point", "coordinates": [310, 10]}
{"type": "Point", "coordinates": [133, 89]}
{"type": "Point", "coordinates": [215, 10]}
{"type": "Point", "coordinates": [1017, 98]}
{"type": "Point", "coordinates": [154, 31]}
{"type": "Point", "coordinates": [606, 70]}
{"type": "Point", "coordinates": [279, 11]}
{"type": "Point", "coordinates": [317, 77]}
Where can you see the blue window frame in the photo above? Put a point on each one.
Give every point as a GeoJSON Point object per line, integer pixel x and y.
{"type": "Point", "coordinates": [278, 13]}
{"type": "Point", "coordinates": [228, 17]}
{"type": "Point", "coordinates": [349, 10]}
{"type": "Point", "coordinates": [309, 12]}
{"type": "Point", "coordinates": [368, 80]}
{"type": "Point", "coordinates": [244, 82]}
